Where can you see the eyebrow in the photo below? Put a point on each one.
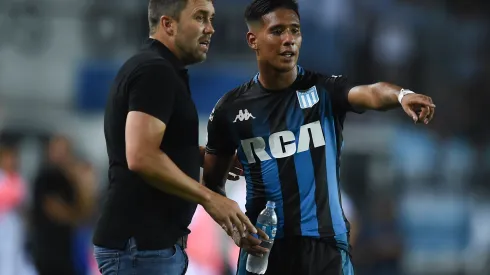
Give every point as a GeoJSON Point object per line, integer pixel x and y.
{"type": "Point", "coordinates": [296, 25]}
{"type": "Point", "coordinates": [204, 12]}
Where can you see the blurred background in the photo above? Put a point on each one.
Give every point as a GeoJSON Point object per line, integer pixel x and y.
{"type": "Point", "coordinates": [418, 196]}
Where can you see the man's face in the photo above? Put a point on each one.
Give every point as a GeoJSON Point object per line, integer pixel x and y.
{"type": "Point", "coordinates": [278, 39]}
{"type": "Point", "coordinates": [194, 31]}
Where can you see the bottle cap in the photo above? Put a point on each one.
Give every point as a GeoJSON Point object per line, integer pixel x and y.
{"type": "Point", "coordinates": [271, 204]}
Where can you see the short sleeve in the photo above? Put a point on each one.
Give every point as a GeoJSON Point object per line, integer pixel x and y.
{"type": "Point", "coordinates": [152, 91]}
{"type": "Point", "coordinates": [219, 140]}
{"type": "Point", "coordinates": [338, 88]}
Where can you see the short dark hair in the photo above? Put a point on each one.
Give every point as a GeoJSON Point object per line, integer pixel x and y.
{"type": "Point", "coordinates": [158, 8]}
{"type": "Point", "coordinates": [259, 8]}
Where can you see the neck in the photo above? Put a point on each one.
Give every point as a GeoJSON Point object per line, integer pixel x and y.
{"type": "Point", "coordinates": [171, 46]}
{"type": "Point", "coordinates": [272, 79]}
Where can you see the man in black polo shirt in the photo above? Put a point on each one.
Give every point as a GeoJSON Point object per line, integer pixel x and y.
{"type": "Point", "coordinates": [151, 130]}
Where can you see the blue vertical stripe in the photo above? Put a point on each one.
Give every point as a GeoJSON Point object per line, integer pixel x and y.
{"type": "Point", "coordinates": [343, 247]}
{"type": "Point", "coordinates": [347, 268]}
{"type": "Point", "coordinates": [305, 175]}
{"type": "Point", "coordinates": [328, 125]}
{"type": "Point", "coordinates": [269, 174]}
{"type": "Point", "coordinates": [246, 172]}
{"type": "Point", "coordinates": [273, 191]}
{"type": "Point", "coordinates": [242, 263]}
{"type": "Point", "coordinates": [342, 241]}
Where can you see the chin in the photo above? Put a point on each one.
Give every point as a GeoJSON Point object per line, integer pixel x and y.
{"type": "Point", "coordinates": [195, 59]}
{"type": "Point", "coordinates": [201, 58]}
{"type": "Point", "coordinates": [284, 68]}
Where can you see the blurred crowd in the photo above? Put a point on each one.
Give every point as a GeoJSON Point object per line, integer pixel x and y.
{"type": "Point", "coordinates": [418, 197]}
{"type": "Point", "coordinates": [42, 223]}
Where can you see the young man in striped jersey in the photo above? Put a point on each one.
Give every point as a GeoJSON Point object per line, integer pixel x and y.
{"type": "Point", "coordinates": [286, 126]}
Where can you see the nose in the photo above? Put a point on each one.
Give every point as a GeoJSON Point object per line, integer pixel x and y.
{"type": "Point", "coordinates": [289, 39]}
{"type": "Point", "coordinates": [209, 29]}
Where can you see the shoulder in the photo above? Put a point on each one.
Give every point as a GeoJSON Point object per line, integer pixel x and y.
{"type": "Point", "coordinates": [317, 78]}
{"type": "Point", "coordinates": [232, 95]}
{"type": "Point", "coordinates": [146, 62]}
{"type": "Point", "coordinates": [156, 64]}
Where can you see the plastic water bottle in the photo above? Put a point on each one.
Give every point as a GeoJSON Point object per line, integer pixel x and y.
{"type": "Point", "coordinates": [267, 221]}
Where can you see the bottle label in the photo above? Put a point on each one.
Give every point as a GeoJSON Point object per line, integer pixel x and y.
{"type": "Point", "coordinates": [270, 230]}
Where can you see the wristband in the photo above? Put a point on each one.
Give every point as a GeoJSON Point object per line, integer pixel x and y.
{"type": "Point", "coordinates": [403, 92]}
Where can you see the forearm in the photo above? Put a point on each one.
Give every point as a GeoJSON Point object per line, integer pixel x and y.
{"type": "Point", "coordinates": [380, 96]}
{"type": "Point", "coordinates": [216, 169]}
{"type": "Point", "coordinates": [162, 173]}
{"type": "Point", "coordinates": [214, 181]}
{"type": "Point", "coordinates": [220, 189]}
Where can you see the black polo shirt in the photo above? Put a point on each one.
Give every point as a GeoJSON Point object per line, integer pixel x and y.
{"type": "Point", "coordinates": [155, 82]}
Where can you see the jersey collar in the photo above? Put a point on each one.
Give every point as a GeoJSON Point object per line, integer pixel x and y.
{"type": "Point", "coordinates": [301, 72]}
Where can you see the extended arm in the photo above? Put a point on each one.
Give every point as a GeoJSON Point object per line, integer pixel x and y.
{"type": "Point", "coordinates": [383, 96]}
{"type": "Point", "coordinates": [380, 96]}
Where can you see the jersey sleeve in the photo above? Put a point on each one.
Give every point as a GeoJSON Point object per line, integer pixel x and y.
{"type": "Point", "coordinates": [152, 91]}
{"type": "Point", "coordinates": [219, 141]}
{"type": "Point", "coordinates": [338, 88]}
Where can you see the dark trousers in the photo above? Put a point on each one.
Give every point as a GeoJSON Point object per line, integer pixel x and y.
{"type": "Point", "coordinates": [305, 256]}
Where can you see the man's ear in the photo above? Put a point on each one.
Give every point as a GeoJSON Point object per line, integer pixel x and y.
{"type": "Point", "coordinates": [168, 25]}
{"type": "Point", "coordinates": [252, 40]}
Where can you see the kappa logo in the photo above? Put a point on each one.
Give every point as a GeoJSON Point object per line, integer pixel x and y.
{"type": "Point", "coordinates": [243, 115]}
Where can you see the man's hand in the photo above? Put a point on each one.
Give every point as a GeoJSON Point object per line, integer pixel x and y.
{"type": "Point", "coordinates": [228, 215]}
{"type": "Point", "coordinates": [236, 170]}
{"type": "Point", "coordinates": [250, 243]}
{"type": "Point", "coordinates": [419, 107]}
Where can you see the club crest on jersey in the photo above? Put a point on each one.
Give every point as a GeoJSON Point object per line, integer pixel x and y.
{"type": "Point", "coordinates": [307, 98]}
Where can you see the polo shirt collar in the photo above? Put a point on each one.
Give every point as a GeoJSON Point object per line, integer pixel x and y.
{"type": "Point", "coordinates": [165, 53]}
